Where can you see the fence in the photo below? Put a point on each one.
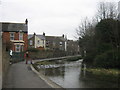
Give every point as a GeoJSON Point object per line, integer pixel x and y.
{"type": "Point", "coordinates": [17, 57]}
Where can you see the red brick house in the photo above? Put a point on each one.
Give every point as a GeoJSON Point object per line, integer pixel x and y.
{"type": "Point", "coordinates": [15, 36]}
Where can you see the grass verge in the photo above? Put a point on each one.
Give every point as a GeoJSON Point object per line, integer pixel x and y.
{"type": "Point", "coordinates": [112, 75]}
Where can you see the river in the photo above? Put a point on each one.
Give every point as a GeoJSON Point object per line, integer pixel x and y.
{"type": "Point", "coordinates": [68, 74]}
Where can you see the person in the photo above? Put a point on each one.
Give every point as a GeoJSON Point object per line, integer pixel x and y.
{"type": "Point", "coordinates": [27, 57]}
{"type": "Point", "coordinates": [11, 53]}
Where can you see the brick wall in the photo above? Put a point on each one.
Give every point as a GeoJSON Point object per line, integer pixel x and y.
{"type": "Point", "coordinates": [25, 38]}
{"type": "Point", "coordinates": [5, 64]}
{"type": "Point", "coordinates": [6, 39]}
{"type": "Point", "coordinates": [0, 62]}
{"type": "Point", "coordinates": [16, 35]}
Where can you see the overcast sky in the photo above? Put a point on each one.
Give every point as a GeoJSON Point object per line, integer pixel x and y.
{"type": "Point", "coordinates": [54, 17]}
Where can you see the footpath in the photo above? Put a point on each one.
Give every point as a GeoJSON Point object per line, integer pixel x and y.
{"type": "Point", "coordinates": [20, 75]}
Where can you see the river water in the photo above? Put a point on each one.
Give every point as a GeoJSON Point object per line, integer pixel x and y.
{"type": "Point", "coordinates": [68, 74]}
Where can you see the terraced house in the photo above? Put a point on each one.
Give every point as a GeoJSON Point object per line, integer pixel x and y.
{"type": "Point", "coordinates": [56, 42]}
{"type": "Point", "coordinates": [36, 41]}
{"type": "Point", "coordinates": [15, 36]}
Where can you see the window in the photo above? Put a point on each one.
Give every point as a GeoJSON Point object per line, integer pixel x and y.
{"type": "Point", "coordinates": [60, 43]}
{"type": "Point", "coordinates": [11, 36]}
{"type": "Point", "coordinates": [17, 48]}
{"type": "Point", "coordinates": [43, 42]}
{"type": "Point", "coordinates": [31, 42]}
{"type": "Point", "coordinates": [38, 42]}
{"type": "Point", "coordinates": [47, 43]}
{"type": "Point", "coordinates": [20, 36]}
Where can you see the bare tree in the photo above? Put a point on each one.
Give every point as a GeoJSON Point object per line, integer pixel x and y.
{"type": "Point", "coordinates": [106, 10]}
{"type": "Point", "coordinates": [112, 10]}
{"type": "Point", "coordinates": [86, 28]}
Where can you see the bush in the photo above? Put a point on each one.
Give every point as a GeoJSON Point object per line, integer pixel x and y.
{"type": "Point", "coordinates": [89, 57]}
{"type": "Point", "coordinates": [74, 58]}
{"type": "Point", "coordinates": [33, 50]}
{"type": "Point", "coordinates": [109, 59]}
{"type": "Point", "coordinates": [41, 54]}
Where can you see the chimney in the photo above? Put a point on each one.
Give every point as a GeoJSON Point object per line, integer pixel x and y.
{"type": "Point", "coordinates": [34, 34]}
{"type": "Point", "coordinates": [43, 33]}
{"type": "Point", "coordinates": [63, 35]}
{"type": "Point", "coordinates": [26, 21]}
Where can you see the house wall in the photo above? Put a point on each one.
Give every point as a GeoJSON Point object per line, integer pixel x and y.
{"type": "Point", "coordinates": [25, 38]}
{"type": "Point", "coordinates": [40, 44]}
{"type": "Point", "coordinates": [5, 65]}
{"type": "Point", "coordinates": [16, 35]}
{"type": "Point", "coordinates": [65, 46]}
{"type": "Point", "coordinates": [33, 44]}
{"type": "Point", "coordinates": [53, 43]}
{"type": "Point", "coordinates": [6, 39]}
{"type": "Point", "coordinates": [36, 42]}
{"type": "Point", "coordinates": [0, 62]}
{"type": "Point", "coordinates": [45, 44]}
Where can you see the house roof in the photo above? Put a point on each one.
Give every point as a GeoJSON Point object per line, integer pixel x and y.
{"type": "Point", "coordinates": [13, 27]}
{"type": "Point", "coordinates": [52, 38]}
{"type": "Point", "coordinates": [30, 36]}
{"type": "Point", "coordinates": [42, 37]}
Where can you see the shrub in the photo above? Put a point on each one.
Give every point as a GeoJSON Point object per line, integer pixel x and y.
{"type": "Point", "coordinates": [33, 50]}
{"type": "Point", "coordinates": [74, 58]}
{"type": "Point", "coordinates": [89, 57]}
{"type": "Point", "coordinates": [109, 59]}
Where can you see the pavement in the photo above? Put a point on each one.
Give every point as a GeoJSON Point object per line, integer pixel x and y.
{"type": "Point", "coordinates": [20, 75]}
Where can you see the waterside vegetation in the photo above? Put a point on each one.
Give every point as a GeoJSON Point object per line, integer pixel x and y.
{"type": "Point", "coordinates": [112, 75]}
{"type": "Point", "coordinates": [100, 40]}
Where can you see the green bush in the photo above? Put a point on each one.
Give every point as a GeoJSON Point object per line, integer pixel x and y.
{"type": "Point", "coordinates": [33, 50]}
{"type": "Point", "coordinates": [74, 58]}
{"type": "Point", "coordinates": [109, 59]}
{"type": "Point", "coordinates": [89, 57]}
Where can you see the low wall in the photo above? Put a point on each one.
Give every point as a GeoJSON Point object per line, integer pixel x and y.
{"type": "Point", "coordinates": [0, 63]}
{"type": "Point", "coordinates": [5, 64]}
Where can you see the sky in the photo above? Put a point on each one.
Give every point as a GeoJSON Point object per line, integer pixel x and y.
{"type": "Point", "coordinates": [54, 17]}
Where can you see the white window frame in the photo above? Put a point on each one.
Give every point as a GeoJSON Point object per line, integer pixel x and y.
{"type": "Point", "coordinates": [20, 36]}
{"type": "Point", "coordinates": [61, 43]}
{"type": "Point", "coordinates": [12, 37]}
{"type": "Point", "coordinates": [17, 48]}
{"type": "Point", "coordinates": [31, 42]}
{"type": "Point", "coordinates": [38, 41]}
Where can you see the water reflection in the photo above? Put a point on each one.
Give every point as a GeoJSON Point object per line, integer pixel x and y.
{"type": "Point", "coordinates": [69, 75]}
